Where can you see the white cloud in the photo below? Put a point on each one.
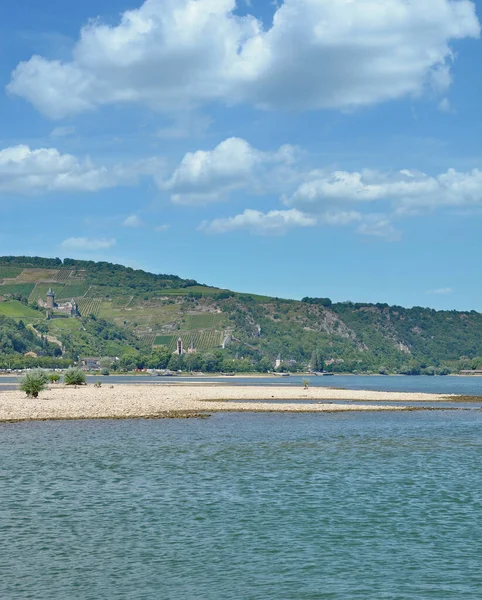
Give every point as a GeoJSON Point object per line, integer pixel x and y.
{"type": "Point", "coordinates": [445, 106]}
{"type": "Point", "coordinates": [279, 222]}
{"type": "Point", "coordinates": [162, 228]}
{"type": "Point", "coordinates": [440, 291]}
{"type": "Point", "coordinates": [27, 171]}
{"type": "Point", "coordinates": [274, 222]}
{"type": "Point", "coordinates": [380, 227]}
{"type": "Point", "coordinates": [406, 191]}
{"type": "Point", "coordinates": [211, 175]}
{"type": "Point", "coordinates": [334, 217]}
{"type": "Point", "coordinates": [88, 244]}
{"type": "Point", "coordinates": [62, 131]}
{"type": "Point", "coordinates": [132, 221]}
{"type": "Point", "coordinates": [173, 54]}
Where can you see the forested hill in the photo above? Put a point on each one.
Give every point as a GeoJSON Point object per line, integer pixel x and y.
{"type": "Point", "coordinates": [99, 273]}
{"type": "Point", "coordinates": [129, 311]}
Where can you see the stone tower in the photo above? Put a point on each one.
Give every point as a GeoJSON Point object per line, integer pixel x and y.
{"type": "Point", "coordinates": [74, 311]}
{"type": "Point", "coordinates": [50, 299]}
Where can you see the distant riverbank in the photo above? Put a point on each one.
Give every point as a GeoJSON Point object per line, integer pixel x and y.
{"type": "Point", "coordinates": [178, 400]}
{"type": "Point", "coordinates": [446, 385]}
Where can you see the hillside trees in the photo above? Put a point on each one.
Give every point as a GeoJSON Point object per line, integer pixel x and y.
{"type": "Point", "coordinates": [130, 361]}
{"type": "Point", "coordinates": [15, 338]}
{"type": "Point", "coordinates": [320, 301]}
{"type": "Point", "coordinates": [158, 358]}
{"type": "Point", "coordinates": [317, 362]}
{"type": "Point", "coordinates": [31, 261]}
{"type": "Point", "coordinates": [118, 276]}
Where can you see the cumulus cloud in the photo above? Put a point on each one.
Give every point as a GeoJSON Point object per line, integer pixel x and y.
{"type": "Point", "coordinates": [26, 171]}
{"type": "Point", "coordinates": [317, 54]}
{"type": "Point", "coordinates": [133, 221]}
{"type": "Point", "coordinates": [211, 175]}
{"type": "Point", "coordinates": [274, 222]}
{"type": "Point", "coordinates": [88, 244]}
{"type": "Point", "coordinates": [279, 222]}
{"type": "Point", "coordinates": [407, 191]}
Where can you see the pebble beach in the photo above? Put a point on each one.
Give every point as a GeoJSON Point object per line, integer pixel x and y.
{"type": "Point", "coordinates": [184, 400]}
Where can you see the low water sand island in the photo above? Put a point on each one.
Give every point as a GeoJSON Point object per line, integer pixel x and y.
{"type": "Point", "coordinates": [184, 400]}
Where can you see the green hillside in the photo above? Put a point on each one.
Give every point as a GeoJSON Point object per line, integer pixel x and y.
{"type": "Point", "coordinates": [125, 311]}
{"type": "Point", "coordinates": [17, 339]}
{"type": "Point", "coordinates": [14, 308]}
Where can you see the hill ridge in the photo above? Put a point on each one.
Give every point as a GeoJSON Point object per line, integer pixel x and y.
{"type": "Point", "coordinates": [126, 310]}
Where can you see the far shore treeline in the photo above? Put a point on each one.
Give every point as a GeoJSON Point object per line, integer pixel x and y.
{"type": "Point", "coordinates": [134, 319]}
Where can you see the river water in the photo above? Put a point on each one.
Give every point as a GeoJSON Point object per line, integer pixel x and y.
{"type": "Point", "coordinates": [464, 385]}
{"type": "Point", "coordinates": [362, 506]}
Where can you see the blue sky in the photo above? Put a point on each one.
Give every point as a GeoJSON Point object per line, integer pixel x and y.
{"type": "Point", "coordinates": [316, 147]}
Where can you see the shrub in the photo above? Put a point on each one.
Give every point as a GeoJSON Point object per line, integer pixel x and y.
{"type": "Point", "coordinates": [305, 383]}
{"type": "Point", "coordinates": [53, 377]}
{"type": "Point", "coordinates": [74, 376]}
{"type": "Point", "coordinates": [33, 383]}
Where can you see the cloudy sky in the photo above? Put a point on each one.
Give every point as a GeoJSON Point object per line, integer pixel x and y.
{"type": "Point", "coordinates": [305, 147]}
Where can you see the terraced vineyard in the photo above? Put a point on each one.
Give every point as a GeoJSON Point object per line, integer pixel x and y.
{"type": "Point", "coordinates": [64, 275]}
{"type": "Point", "coordinates": [92, 292]}
{"type": "Point", "coordinates": [72, 290]}
{"type": "Point", "coordinates": [41, 289]}
{"type": "Point", "coordinates": [17, 289]}
{"type": "Point", "coordinates": [89, 306]}
{"type": "Point", "coordinates": [97, 291]}
{"type": "Point", "coordinates": [202, 321]}
{"type": "Point", "coordinates": [34, 275]}
{"type": "Point", "coordinates": [148, 338]}
{"type": "Point", "coordinates": [9, 272]}
{"type": "Point", "coordinates": [164, 340]}
{"type": "Point", "coordinates": [121, 301]}
{"type": "Point", "coordinates": [62, 292]}
{"type": "Point", "coordinates": [203, 340]}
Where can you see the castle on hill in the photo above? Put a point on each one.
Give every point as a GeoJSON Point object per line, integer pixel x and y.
{"type": "Point", "coordinates": [68, 309]}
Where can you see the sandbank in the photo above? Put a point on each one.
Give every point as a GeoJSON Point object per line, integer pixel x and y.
{"type": "Point", "coordinates": [157, 401]}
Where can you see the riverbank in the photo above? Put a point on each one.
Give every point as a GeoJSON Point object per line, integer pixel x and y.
{"type": "Point", "coordinates": [153, 401]}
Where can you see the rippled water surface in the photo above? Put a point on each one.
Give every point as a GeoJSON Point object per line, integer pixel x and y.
{"type": "Point", "coordinates": [463, 385]}
{"type": "Point", "coordinates": [243, 506]}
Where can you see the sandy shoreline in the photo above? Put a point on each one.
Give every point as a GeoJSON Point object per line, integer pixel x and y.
{"type": "Point", "coordinates": [155, 401]}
